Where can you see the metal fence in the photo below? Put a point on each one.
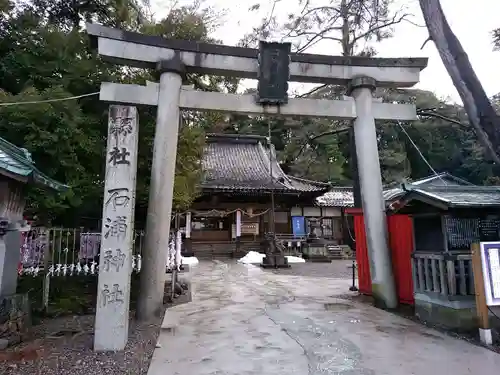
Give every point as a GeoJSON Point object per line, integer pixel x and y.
{"type": "Point", "coordinates": [66, 251]}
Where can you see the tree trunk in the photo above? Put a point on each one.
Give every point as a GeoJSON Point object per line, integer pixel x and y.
{"type": "Point", "coordinates": [479, 109]}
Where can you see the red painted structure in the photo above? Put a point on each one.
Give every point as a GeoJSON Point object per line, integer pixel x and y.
{"type": "Point", "coordinates": [400, 230]}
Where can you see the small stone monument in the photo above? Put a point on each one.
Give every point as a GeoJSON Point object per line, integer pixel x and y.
{"type": "Point", "coordinates": [315, 249]}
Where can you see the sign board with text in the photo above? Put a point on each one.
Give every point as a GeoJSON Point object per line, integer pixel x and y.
{"type": "Point", "coordinates": [298, 226]}
{"type": "Point", "coordinates": [490, 260]}
{"type": "Point", "coordinates": [274, 72]}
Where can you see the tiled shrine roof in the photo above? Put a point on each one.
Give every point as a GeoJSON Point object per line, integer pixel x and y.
{"type": "Point", "coordinates": [457, 196]}
{"type": "Point", "coordinates": [343, 196]}
{"type": "Point", "coordinates": [337, 197]}
{"type": "Point", "coordinates": [441, 179]}
{"type": "Point", "coordinates": [241, 163]}
{"type": "Point", "coordinates": [16, 163]}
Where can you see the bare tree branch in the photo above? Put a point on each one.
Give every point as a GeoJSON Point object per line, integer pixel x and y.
{"type": "Point", "coordinates": [271, 16]}
{"type": "Point", "coordinates": [432, 113]}
{"type": "Point", "coordinates": [427, 40]}
{"type": "Point", "coordinates": [373, 30]}
{"type": "Point", "coordinates": [342, 21]}
{"type": "Point", "coordinates": [482, 115]}
{"type": "Point", "coordinates": [316, 89]}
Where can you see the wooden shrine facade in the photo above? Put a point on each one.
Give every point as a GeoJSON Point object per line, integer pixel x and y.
{"type": "Point", "coordinates": [235, 201]}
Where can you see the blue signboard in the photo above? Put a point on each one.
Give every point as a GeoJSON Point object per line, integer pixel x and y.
{"type": "Point", "coordinates": [298, 226]}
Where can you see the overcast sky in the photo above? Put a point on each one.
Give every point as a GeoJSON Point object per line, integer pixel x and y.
{"type": "Point", "coordinates": [472, 22]}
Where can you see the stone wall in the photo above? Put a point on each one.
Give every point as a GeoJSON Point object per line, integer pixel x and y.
{"type": "Point", "coordinates": [457, 315]}
{"type": "Point", "coordinates": [460, 317]}
{"type": "Point", "coordinates": [15, 318]}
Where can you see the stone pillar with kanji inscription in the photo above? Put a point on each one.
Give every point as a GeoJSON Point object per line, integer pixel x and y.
{"type": "Point", "coordinates": [115, 260]}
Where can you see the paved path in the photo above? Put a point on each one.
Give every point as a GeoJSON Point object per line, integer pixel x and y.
{"type": "Point", "coordinates": [246, 321]}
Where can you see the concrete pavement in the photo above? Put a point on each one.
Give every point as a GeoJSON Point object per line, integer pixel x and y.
{"type": "Point", "coordinates": [246, 321]}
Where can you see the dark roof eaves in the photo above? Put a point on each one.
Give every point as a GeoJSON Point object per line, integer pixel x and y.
{"type": "Point", "coordinates": [234, 138]}
{"type": "Point", "coordinates": [23, 157]}
{"type": "Point", "coordinates": [441, 176]}
{"type": "Point", "coordinates": [266, 190]}
{"type": "Point", "coordinates": [432, 193]}
{"type": "Point", "coordinates": [311, 182]}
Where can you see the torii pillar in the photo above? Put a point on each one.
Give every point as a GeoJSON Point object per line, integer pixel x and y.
{"type": "Point", "coordinates": [370, 180]}
{"type": "Point", "coordinates": [161, 188]}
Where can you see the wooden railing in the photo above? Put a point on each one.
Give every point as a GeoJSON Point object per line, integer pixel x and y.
{"type": "Point", "coordinates": [447, 275]}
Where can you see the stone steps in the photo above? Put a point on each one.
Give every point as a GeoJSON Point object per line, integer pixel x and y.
{"type": "Point", "coordinates": [334, 252]}
{"type": "Point", "coordinates": [223, 249]}
{"type": "Point", "coordinates": [213, 250]}
{"type": "Point", "coordinates": [250, 246]}
{"type": "Point", "coordinates": [339, 252]}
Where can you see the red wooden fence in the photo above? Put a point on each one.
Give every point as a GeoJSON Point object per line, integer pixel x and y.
{"type": "Point", "coordinates": [401, 243]}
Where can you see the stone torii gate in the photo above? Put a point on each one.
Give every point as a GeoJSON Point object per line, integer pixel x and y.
{"type": "Point", "coordinates": [172, 59]}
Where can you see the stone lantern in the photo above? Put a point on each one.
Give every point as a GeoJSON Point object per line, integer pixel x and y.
{"type": "Point", "coordinates": [315, 249]}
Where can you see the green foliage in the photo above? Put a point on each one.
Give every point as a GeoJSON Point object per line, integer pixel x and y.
{"type": "Point", "coordinates": [53, 131]}
{"type": "Point", "coordinates": [447, 146]}
{"type": "Point", "coordinates": [46, 55]}
{"type": "Point", "coordinates": [68, 15]}
{"type": "Point", "coordinates": [188, 166]}
{"type": "Point", "coordinates": [4, 5]}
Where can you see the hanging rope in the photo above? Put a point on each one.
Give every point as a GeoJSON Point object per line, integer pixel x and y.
{"type": "Point", "coordinates": [349, 229]}
{"type": "Point", "coordinates": [215, 212]}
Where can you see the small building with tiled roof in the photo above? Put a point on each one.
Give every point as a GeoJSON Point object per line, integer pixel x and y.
{"type": "Point", "coordinates": [241, 177]}
{"type": "Point", "coordinates": [341, 199]}
{"type": "Point", "coordinates": [446, 219]}
{"type": "Point", "coordinates": [233, 209]}
{"type": "Point", "coordinates": [17, 168]}
{"type": "Point", "coordinates": [447, 198]}
{"type": "Point", "coordinates": [344, 197]}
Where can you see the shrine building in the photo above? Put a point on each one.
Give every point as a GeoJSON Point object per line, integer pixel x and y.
{"type": "Point", "coordinates": [233, 211]}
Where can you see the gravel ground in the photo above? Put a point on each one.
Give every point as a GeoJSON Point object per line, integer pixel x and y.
{"type": "Point", "coordinates": [63, 346]}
